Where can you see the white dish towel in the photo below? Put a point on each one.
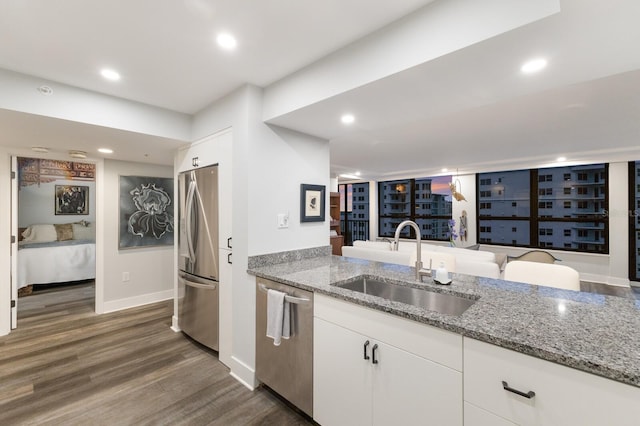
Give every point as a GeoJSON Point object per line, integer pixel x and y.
{"type": "Point", "coordinates": [278, 316]}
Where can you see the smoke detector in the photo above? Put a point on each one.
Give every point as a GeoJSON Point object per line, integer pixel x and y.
{"type": "Point", "coordinates": [77, 154]}
{"type": "Point", "coordinates": [45, 90]}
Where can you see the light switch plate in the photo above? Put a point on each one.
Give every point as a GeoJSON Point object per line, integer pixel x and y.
{"type": "Point", "coordinates": [283, 220]}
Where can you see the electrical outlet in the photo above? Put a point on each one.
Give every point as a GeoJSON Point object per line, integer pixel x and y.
{"type": "Point", "coordinates": [283, 220]}
{"type": "Point", "coordinates": [125, 277]}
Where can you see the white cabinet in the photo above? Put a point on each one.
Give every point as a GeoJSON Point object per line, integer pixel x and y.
{"type": "Point", "coordinates": [224, 308]}
{"type": "Point", "coordinates": [202, 153]}
{"type": "Point", "coordinates": [217, 149]}
{"type": "Point", "coordinates": [372, 368]}
{"type": "Point", "coordinates": [561, 395]}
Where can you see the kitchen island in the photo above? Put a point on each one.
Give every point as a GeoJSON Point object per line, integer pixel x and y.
{"type": "Point", "coordinates": [592, 333]}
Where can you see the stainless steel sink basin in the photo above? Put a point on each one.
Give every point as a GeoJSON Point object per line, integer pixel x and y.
{"type": "Point", "coordinates": [439, 302]}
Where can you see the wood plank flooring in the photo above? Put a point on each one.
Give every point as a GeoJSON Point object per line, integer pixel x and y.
{"type": "Point", "coordinates": [65, 365]}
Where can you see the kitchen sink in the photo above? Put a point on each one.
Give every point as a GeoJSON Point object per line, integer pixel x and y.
{"type": "Point", "coordinates": [443, 303]}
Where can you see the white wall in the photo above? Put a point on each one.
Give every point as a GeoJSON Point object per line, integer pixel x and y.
{"type": "Point", "coordinates": [150, 269]}
{"type": "Point", "coordinates": [279, 163]}
{"type": "Point", "coordinates": [36, 204]}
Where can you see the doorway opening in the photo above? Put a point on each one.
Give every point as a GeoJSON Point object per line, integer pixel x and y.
{"type": "Point", "coordinates": [55, 218]}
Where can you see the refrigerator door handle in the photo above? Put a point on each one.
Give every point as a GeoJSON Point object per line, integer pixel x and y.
{"type": "Point", "coordinates": [189, 212]}
{"type": "Point", "coordinates": [198, 285]}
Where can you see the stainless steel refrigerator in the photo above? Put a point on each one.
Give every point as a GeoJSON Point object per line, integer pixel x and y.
{"type": "Point", "coordinates": [198, 275]}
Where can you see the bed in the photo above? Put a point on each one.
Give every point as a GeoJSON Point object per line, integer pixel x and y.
{"type": "Point", "coordinates": [49, 254]}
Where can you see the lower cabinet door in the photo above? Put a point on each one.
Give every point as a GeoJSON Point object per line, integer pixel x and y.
{"type": "Point", "coordinates": [410, 390]}
{"type": "Point", "coordinates": [341, 376]}
{"type": "Point", "coordinates": [475, 416]}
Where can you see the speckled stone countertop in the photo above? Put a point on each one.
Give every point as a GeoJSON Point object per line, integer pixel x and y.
{"type": "Point", "coordinates": [590, 332]}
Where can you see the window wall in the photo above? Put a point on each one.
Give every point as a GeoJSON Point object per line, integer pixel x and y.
{"type": "Point", "coordinates": [354, 211]}
{"type": "Point", "coordinates": [563, 208]}
{"type": "Point", "coordinates": [426, 201]}
{"type": "Point", "coordinates": [634, 221]}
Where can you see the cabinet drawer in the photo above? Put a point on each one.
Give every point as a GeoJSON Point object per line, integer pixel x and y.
{"type": "Point", "coordinates": [474, 416]}
{"type": "Point", "coordinates": [563, 396]}
{"type": "Point", "coordinates": [440, 346]}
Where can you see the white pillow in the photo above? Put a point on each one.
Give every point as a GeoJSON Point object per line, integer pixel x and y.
{"type": "Point", "coordinates": [81, 232]}
{"type": "Point", "coordinates": [41, 233]}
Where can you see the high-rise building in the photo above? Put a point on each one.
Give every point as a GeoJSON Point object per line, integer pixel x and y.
{"type": "Point", "coordinates": [566, 198]}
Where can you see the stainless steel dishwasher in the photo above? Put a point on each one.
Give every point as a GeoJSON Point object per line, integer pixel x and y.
{"type": "Point", "coordinates": [288, 368]}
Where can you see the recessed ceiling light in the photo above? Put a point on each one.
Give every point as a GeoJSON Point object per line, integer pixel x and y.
{"type": "Point", "coordinates": [445, 170]}
{"type": "Point", "coordinates": [561, 159]}
{"type": "Point", "coordinates": [357, 173]}
{"type": "Point", "coordinates": [226, 41]}
{"type": "Point", "coordinates": [77, 154]}
{"type": "Point", "coordinates": [41, 149]}
{"type": "Point", "coordinates": [347, 119]}
{"type": "Point", "coordinates": [105, 150]}
{"type": "Point", "coordinates": [533, 65]}
{"type": "Point", "coordinates": [348, 176]}
{"type": "Point", "coordinates": [110, 74]}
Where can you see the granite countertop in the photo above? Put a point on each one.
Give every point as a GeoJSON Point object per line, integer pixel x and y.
{"type": "Point", "coordinates": [590, 332]}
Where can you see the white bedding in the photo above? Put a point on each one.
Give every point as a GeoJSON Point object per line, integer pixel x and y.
{"type": "Point", "coordinates": [44, 265]}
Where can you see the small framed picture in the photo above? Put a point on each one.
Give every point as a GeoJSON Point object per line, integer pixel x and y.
{"type": "Point", "coordinates": [312, 203]}
{"type": "Point", "coordinates": [71, 199]}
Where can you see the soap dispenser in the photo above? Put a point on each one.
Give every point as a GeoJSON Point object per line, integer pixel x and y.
{"type": "Point", "coordinates": [442, 275]}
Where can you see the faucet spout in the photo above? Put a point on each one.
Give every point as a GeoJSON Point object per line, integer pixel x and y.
{"type": "Point", "coordinates": [396, 240]}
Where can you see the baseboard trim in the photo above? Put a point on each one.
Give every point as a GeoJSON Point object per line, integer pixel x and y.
{"type": "Point", "coordinates": [132, 302]}
{"type": "Point", "coordinates": [243, 373]}
{"type": "Point", "coordinates": [174, 324]}
{"type": "Point", "coordinates": [605, 279]}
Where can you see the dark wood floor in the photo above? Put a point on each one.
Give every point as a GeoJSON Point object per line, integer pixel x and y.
{"type": "Point", "coordinates": [65, 365]}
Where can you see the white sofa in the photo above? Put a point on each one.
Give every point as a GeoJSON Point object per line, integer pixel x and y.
{"type": "Point", "coordinates": [462, 261]}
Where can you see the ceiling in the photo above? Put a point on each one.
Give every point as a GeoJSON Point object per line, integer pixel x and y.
{"type": "Point", "coordinates": [469, 110]}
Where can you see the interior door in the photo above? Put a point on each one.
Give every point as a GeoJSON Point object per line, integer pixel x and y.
{"type": "Point", "coordinates": [14, 242]}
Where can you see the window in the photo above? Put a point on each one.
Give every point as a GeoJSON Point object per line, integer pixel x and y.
{"type": "Point", "coordinates": [420, 200]}
{"type": "Point", "coordinates": [484, 194]}
{"type": "Point", "coordinates": [485, 182]}
{"type": "Point", "coordinates": [354, 210]}
{"type": "Point", "coordinates": [544, 211]}
{"type": "Point", "coordinates": [634, 224]}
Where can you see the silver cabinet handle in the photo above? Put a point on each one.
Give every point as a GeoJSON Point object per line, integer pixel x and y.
{"type": "Point", "coordinates": [508, 388]}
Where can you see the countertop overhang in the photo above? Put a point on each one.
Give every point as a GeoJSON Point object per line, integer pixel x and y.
{"type": "Point", "coordinates": [590, 332]}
